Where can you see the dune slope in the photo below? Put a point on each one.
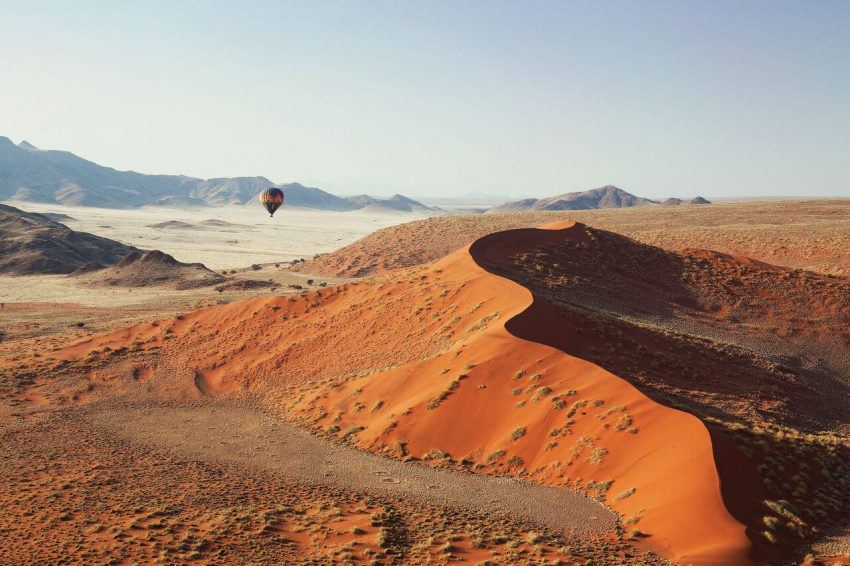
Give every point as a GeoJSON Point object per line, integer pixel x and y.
{"type": "Point", "coordinates": [759, 352]}
{"type": "Point", "coordinates": [421, 364]}
{"type": "Point", "coordinates": [813, 235]}
{"type": "Point", "coordinates": [508, 405]}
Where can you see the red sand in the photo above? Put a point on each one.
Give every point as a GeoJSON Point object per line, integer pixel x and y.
{"type": "Point", "coordinates": [402, 335]}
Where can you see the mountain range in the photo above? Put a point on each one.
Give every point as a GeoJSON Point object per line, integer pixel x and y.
{"type": "Point", "coordinates": [28, 173]}
{"type": "Point", "coordinates": [608, 196]}
{"type": "Point", "coordinates": [50, 176]}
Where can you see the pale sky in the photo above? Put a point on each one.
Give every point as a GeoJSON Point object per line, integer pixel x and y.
{"type": "Point", "coordinates": [446, 97]}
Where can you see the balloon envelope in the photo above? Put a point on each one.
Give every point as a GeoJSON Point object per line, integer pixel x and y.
{"type": "Point", "coordinates": [272, 199]}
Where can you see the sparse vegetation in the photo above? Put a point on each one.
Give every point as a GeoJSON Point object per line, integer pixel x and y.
{"type": "Point", "coordinates": [803, 472]}
{"type": "Point", "coordinates": [495, 456]}
{"type": "Point", "coordinates": [625, 494]}
{"type": "Point", "coordinates": [597, 455]}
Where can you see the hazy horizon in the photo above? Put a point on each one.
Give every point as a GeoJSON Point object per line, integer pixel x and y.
{"type": "Point", "coordinates": [435, 99]}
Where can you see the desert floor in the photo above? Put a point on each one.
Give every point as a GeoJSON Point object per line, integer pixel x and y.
{"type": "Point", "coordinates": [110, 463]}
{"type": "Point", "coordinates": [251, 236]}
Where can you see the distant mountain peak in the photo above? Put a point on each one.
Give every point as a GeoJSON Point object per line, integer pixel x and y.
{"type": "Point", "coordinates": [677, 201]}
{"type": "Point", "coordinates": [607, 196]}
{"type": "Point", "coordinates": [27, 145]}
{"type": "Point", "coordinates": [403, 198]}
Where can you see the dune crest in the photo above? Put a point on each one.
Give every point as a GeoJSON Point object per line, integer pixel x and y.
{"type": "Point", "coordinates": [522, 408]}
{"type": "Point", "coordinates": [435, 363]}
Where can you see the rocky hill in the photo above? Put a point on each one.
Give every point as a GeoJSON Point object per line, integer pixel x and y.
{"type": "Point", "coordinates": [396, 203]}
{"type": "Point", "coordinates": [34, 244]}
{"type": "Point", "coordinates": [146, 269]}
{"type": "Point", "coordinates": [608, 196]}
{"type": "Point", "coordinates": [298, 195]}
{"type": "Point", "coordinates": [673, 201]}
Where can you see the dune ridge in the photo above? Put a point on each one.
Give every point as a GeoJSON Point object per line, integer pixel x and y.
{"type": "Point", "coordinates": [750, 348]}
{"type": "Point", "coordinates": [626, 455]}
{"type": "Point", "coordinates": [461, 384]}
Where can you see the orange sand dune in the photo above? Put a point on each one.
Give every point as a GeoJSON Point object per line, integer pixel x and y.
{"type": "Point", "coordinates": [665, 456]}
{"type": "Point", "coordinates": [421, 363]}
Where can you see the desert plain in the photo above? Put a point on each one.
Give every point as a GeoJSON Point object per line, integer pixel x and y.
{"type": "Point", "coordinates": [640, 385]}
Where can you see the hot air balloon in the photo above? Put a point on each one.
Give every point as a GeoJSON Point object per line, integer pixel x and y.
{"type": "Point", "coordinates": [271, 198]}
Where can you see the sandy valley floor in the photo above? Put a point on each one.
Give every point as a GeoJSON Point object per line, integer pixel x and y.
{"type": "Point", "coordinates": [251, 236]}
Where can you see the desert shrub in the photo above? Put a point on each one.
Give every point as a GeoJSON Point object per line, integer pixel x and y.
{"type": "Point", "coordinates": [543, 391]}
{"type": "Point", "coordinates": [436, 454]}
{"type": "Point", "coordinates": [575, 407]}
{"type": "Point", "coordinates": [785, 509]}
{"type": "Point", "coordinates": [438, 400]}
{"type": "Point", "coordinates": [494, 456]}
{"type": "Point", "coordinates": [515, 461]}
{"type": "Point", "coordinates": [401, 447]}
{"type": "Point", "coordinates": [625, 494]}
{"type": "Point", "coordinates": [352, 432]}
{"type": "Point", "coordinates": [596, 456]}
{"type": "Point", "coordinates": [599, 489]}
{"type": "Point", "coordinates": [391, 532]}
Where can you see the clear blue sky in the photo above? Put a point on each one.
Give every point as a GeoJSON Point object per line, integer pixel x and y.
{"type": "Point", "coordinates": [439, 98]}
